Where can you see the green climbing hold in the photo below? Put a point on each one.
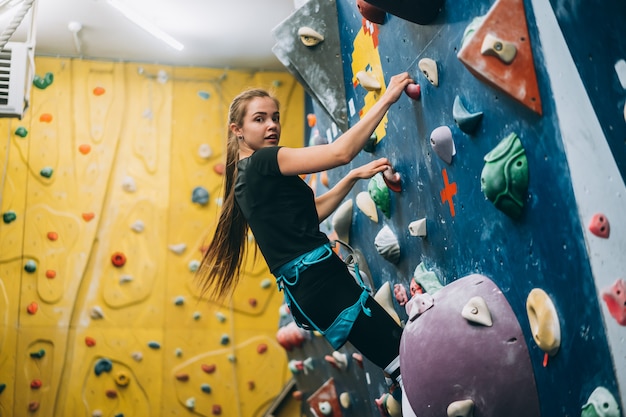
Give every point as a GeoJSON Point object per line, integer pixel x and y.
{"type": "Point", "coordinates": [154, 345]}
{"type": "Point", "coordinates": [21, 132]}
{"type": "Point", "coordinates": [43, 82]}
{"type": "Point", "coordinates": [428, 280]}
{"type": "Point", "coordinates": [46, 172]}
{"type": "Point", "coordinates": [30, 266]}
{"type": "Point", "coordinates": [378, 190]}
{"type": "Point", "coordinates": [38, 354]}
{"type": "Point", "coordinates": [8, 217]}
{"type": "Point", "coordinates": [2, 387]}
{"type": "Point", "coordinates": [504, 179]}
{"type": "Point", "coordinates": [370, 146]}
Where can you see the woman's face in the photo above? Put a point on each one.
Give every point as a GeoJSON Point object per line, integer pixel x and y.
{"type": "Point", "coordinates": [260, 127]}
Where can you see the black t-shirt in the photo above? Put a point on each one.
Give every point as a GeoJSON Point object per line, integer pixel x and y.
{"type": "Point", "coordinates": [279, 209]}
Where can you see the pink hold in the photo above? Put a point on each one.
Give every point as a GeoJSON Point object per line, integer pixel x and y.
{"type": "Point", "coordinates": [615, 299]}
{"type": "Point", "coordinates": [400, 293]}
{"type": "Point", "coordinates": [599, 226]}
{"type": "Point", "coordinates": [290, 336]}
{"type": "Point", "coordinates": [415, 288]}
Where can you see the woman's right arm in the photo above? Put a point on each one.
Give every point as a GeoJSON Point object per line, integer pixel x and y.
{"type": "Point", "coordinates": [295, 161]}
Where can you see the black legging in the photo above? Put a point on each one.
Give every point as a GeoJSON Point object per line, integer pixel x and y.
{"type": "Point", "coordinates": [325, 289]}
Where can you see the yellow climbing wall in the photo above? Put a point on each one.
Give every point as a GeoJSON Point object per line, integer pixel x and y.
{"type": "Point", "coordinates": [101, 170]}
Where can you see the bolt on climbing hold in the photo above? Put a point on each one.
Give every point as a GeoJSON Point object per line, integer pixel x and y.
{"type": "Point", "coordinates": [442, 143]}
{"type": "Point", "coordinates": [30, 266]}
{"type": "Point", "coordinates": [43, 82]}
{"type": "Point", "coordinates": [310, 37]}
{"type": "Point", "coordinates": [544, 321]}
{"type": "Point", "coordinates": [413, 90]}
{"type": "Point", "coordinates": [367, 206]}
{"type": "Point", "coordinates": [428, 67]}
{"type": "Point", "coordinates": [122, 379]}
{"type": "Point", "coordinates": [21, 132]}
{"type": "Point", "coordinates": [38, 354]}
{"type": "Point", "coordinates": [32, 308]}
{"type": "Point", "coordinates": [118, 259]}
{"type": "Point", "coordinates": [615, 299]}
{"type": "Point", "coordinates": [599, 225]}
{"type": "Point", "coordinates": [368, 81]}
{"type": "Point", "coordinates": [8, 217]}
{"type": "Point", "coordinates": [477, 311]}
{"type": "Point", "coordinates": [103, 365]}
{"type": "Point", "coordinates": [467, 122]}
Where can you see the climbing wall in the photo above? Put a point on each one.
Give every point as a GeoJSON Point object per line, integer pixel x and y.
{"type": "Point", "coordinates": [110, 188]}
{"type": "Point", "coordinates": [497, 238]}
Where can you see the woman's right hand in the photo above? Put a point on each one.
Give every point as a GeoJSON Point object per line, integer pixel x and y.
{"type": "Point", "coordinates": [396, 86]}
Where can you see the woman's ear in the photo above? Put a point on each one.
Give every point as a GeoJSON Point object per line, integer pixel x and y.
{"type": "Point", "coordinates": [235, 129]}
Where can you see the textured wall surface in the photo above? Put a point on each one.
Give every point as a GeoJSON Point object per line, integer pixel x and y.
{"type": "Point", "coordinates": [563, 96]}
{"type": "Point", "coordinates": [103, 225]}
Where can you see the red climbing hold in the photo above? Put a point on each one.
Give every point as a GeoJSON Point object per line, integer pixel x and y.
{"type": "Point", "coordinates": [36, 383]}
{"type": "Point", "coordinates": [32, 308]}
{"type": "Point", "coordinates": [90, 341]}
{"type": "Point", "coordinates": [50, 273]}
{"type": "Point", "coordinates": [118, 259]}
{"type": "Point", "coordinates": [209, 369]}
{"type": "Point", "coordinates": [88, 216]}
{"type": "Point", "coordinates": [53, 236]}
{"type": "Point", "coordinates": [98, 91]}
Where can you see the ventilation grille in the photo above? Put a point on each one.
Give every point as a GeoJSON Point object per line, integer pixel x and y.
{"type": "Point", "coordinates": [14, 79]}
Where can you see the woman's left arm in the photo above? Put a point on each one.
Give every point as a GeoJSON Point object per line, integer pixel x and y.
{"type": "Point", "coordinates": [328, 202]}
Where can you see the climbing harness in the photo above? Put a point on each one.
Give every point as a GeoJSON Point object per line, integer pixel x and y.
{"type": "Point", "coordinates": [288, 275]}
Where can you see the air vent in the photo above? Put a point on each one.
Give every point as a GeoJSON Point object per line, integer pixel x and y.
{"type": "Point", "coordinates": [15, 79]}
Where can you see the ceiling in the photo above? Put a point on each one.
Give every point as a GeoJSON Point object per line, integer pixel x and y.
{"type": "Point", "coordinates": [235, 34]}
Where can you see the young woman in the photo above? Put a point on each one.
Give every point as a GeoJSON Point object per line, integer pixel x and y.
{"type": "Point", "coordinates": [263, 191]}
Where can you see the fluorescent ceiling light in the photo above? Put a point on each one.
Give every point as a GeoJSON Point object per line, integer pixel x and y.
{"type": "Point", "coordinates": [149, 27]}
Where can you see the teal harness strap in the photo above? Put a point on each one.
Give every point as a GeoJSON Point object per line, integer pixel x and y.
{"type": "Point", "coordinates": [289, 274]}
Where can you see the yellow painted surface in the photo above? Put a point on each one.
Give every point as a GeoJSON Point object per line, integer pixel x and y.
{"type": "Point", "coordinates": [123, 142]}
{"type": "Point", "coordinates": [366, 58]}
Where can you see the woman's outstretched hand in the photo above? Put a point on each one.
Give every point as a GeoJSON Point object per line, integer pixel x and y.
{"type": "Point", "coordinates": [396, 86]}
{"type": "Point", "coordinates": [370, 169]}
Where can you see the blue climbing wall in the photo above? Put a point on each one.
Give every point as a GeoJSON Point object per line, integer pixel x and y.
{"type": "Point", "coordinates": [549, 247]}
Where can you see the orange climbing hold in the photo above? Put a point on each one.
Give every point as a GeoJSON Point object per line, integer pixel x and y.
{"type": "Point", "coordinates": [98, 91]}
{"type": "Point", "coordinates": [182, 377]}
{"type": "Point", "coordinates": [32, 308]}
{"type": "Point", "coordinates": [84, 148]}
{"type": "Point", "coordinates": [90, 341]}
{"type": "Point", "coordinates": [209, 369]}
{"type": "Point", "coordinates": [88, 216]}
{"type": "Point", "coordinates": [45, 118]}
{"type": "Point", "coordinates": [50, 273]}
{"type": "Point", "coordinates": [53, 236]}
{"type": "Point", "coordinates": [311, 119]}
{"type": "Point", "coordinates": [261, 348]}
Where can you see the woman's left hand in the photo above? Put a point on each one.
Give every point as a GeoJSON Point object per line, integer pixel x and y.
{"type": "Point", "coordinates": [370, 169]}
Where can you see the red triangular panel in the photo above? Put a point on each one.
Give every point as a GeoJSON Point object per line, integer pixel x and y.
{"type": "Point", "coordinates": [506, 20]}
{"type": "Point", "coordinates": [326, 393]}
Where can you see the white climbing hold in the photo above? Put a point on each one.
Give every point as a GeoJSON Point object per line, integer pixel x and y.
{"type": "Point", "coordinates": [418, 228]}
{"type": "Point", "coordinates": [138, 226]}
{"type": "Point", "coordinates": [128, 184]}
{"type": "Point", "coordinates": [384, 298]}
{"type": "Point", "coordinates": [178, 248]}
{"type": "Point", "coordinates": [476, 311]}
{"type": "Point", "coordinates": [367, 206]}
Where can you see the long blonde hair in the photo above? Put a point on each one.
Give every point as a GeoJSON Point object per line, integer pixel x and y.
{"type": "Point", "coordinates": [219, 271]}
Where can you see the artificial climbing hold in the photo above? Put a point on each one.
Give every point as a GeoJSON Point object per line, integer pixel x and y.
{"type": "Point", "coordinates": [88, 216]}
{"type": "Point", "coordinates": [467, 122]}
{"type": "Point", "coordinates": [90, 341]}
{"type": "Point", "coordinates": [418, 228]}
{"type": "Point", "coordinates": [544, 321]}
{"type": "Point", "coordinates": [615, 299]}
{"type": "Point", "coordinates": [368, 81]}
{"type": "Point", "coordinates": [84, 148]}
{"type": "Point", "coordinates": [21, 132]}
{"type": "Point", "coordinates": [50, 274]}
{"type": "Point", "coordinates": [387, 244]}
{"type": "Point", "coordinates": [370, 12]}
{"type": "Point", "coordinates": [477, 311]}
{"type": "Point", "coordinates": [378, 190]}
{"type": "Point", "coordinates": [392, 179]}
{"type": "Point", "coordinates": [43, 82]}
{"type": "Point", "coordinates": [46, 172]}
{"type": "Point", "coordinates": [118, 259]}
{"type": "Point", "coordinates": [367, 206]}
{"type": "Point", "coordinates": [98, 91]}
{"type": "Point", "coordinates": [461, 408]}
{"type": "Point", "coordinates": [38, 354]}
{"type": "Point", "coordinates": [30, 266]}
{"type": "Point", "coordinates": [45, 118]}
{"type": "Point", "coordinates": [494, 46]}
{"type": "Point", "coordinates": [383, 297]}
{"type": "Point", "coordinates": [32, 308]}
{"type": "Point", "coordinates": [309, 36]}
{"type": "Point", "coordinates": [103, 365]}
{"type": "Point", "coordinates": [599, 225]}
{"type": "Point", "coordinates": [154, 345]}
{"type": "Point", "coordinates": [442, 143]}
{"type": "Point", "coordinates": [209, 369]}
{"type": "Point", "coordinates": [601, 403]}
{"type": "Point", "coordinates": [122, 379]}
{"type": "Point", "coordinates": [52, 236]}
{"type": "Point", "coordinates": [413, 90]}
{"type": "Point", "coordinates": [200, 196]}
{"type": "Point", "coordinates": [342, 220]}
{"type": "Point", "coordinates": [504, 178]}
{"type": "Point", "coordinates": [8, 217]}
{"type": "Point", "coordinates": [428, 67]}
